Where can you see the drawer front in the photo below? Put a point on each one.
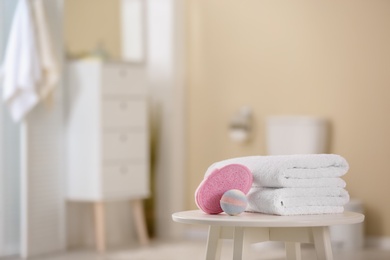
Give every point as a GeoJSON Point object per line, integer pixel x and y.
{"type": "Point", "coordinates": [124, 113]}
{"type": "Point", "coordinates": [124, 79]}
{"type": "Point", "coordinates": [125, 145]}
{"type": "Point", "coordinates": [125, 179]}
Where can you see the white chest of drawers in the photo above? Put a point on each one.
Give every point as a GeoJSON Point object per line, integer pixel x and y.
{"type": "Point", "coordinates": [107, 132]}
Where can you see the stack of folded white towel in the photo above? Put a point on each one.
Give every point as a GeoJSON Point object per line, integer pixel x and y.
{"type": "Point", "coordinates": [295, 184]}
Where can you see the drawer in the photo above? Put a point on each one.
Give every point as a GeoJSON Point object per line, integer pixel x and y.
{"type": "Point", "coordinates": [124, 79]}
{"type": "Point", "coordinates": [125, 145]}
{"type": "Point", "coordinates": [124, 113]}
{"type": "Point", "coordinates": [126, 179]}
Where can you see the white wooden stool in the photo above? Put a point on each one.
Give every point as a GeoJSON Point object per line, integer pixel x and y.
{"type": "Point", "coordinates": [248, 228]}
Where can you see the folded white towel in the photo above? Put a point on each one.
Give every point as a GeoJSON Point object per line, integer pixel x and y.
{"type": "Point", "coordinates": [297, 201]}
{"type": "Point", "coordinates": [300, 170]}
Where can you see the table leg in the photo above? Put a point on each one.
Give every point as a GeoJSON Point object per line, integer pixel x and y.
{"type": "Point", "coordinates": [100, 236]}
{"type": "Point", "coordinates": [140, 221]}
{"type": "Point", "coordinates": [322, 243]}
{"type": "Point", "coordinates": [293, 251]}
{"type": "Point", "coordinates": [238, 242]}
{"type": "Point", "coordinates": [213, 251]}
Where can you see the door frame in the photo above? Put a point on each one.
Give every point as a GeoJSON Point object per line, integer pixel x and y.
{"type": "Point", "coordinates": [167, 63]}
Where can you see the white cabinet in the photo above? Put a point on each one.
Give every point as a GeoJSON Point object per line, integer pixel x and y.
{"type": "Point", "coordinates": [107, 131]}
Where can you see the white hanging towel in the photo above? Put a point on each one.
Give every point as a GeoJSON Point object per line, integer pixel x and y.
{"type": "Point", "coordinates": [29, 70]}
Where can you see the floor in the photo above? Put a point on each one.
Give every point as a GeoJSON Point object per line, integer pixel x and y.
{"type": "Point", "coordinates": [195, 249]}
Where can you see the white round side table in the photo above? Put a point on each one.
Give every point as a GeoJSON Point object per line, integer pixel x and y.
{"type": "Point", "coordinates": [247, 228]}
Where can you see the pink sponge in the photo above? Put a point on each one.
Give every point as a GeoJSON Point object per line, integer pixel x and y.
{"type": "Point", "coordinates": [211, 189]}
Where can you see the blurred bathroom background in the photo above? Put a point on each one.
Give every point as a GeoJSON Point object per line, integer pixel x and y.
{"type": "Point", "coordinates": [214, 73]}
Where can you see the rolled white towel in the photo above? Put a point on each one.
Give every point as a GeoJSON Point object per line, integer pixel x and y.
{"type": "Point", "coordinates": [300, 170]}
{"type": "Point", "coordinates": [297, 201]}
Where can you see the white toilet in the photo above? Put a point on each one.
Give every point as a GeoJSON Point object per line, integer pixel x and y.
{"type": "Point", "coordinates": [309, 135]}
{"type": "Point", "coordinates": [296, 135]}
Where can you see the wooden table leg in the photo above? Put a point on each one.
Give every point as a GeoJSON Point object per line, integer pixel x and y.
{"type": "Point", "coordinates": [238, 240]}
{"type": "Point", "coordinates": [293, 251]}
{"type": "Point", "coordinates": [322, 243]}
{"type": "Point", "coordinates": [100, 236]}
{"type": "Point", "coordinates": [140, 221]}
{"type": "Point", "coordinates": [213, 251]}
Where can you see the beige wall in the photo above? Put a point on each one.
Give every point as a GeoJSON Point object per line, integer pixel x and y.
{"type": "Point", "coordinates": [321, 58]}
{"type": "Point", "coordinates": [326, 58]}
{"type": "Point", "coordinates": [90, 23]}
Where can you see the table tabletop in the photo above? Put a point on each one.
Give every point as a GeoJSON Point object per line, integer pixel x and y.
{"type": "Point", "coordinates": [247, 219]}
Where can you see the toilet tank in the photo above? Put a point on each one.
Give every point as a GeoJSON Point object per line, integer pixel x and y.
{"type": "Point", "coordinates": [296, 135]}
